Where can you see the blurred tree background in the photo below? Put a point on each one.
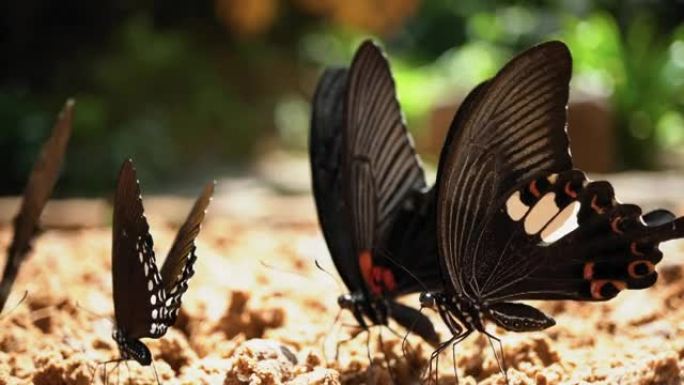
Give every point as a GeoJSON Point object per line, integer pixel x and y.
{"type": "Point", "coordinates": [213, 85]}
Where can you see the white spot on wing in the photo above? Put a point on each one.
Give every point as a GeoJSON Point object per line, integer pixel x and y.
{"type": "Point", "coordinates": [515, 208]}
{"type": "Point", "coordinates": [563, 224]}
{"type": "Point", "coordinates": [541, 214]}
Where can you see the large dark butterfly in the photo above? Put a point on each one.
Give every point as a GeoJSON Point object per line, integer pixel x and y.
{"type": "Point", "coordinates": [38, 189]}
{"type": "Point", "coordinates": [146, 301]}
{"type": "Point", "coordinates": [506, 155]}
{"type": "Point", "coordinates": [374, 208]}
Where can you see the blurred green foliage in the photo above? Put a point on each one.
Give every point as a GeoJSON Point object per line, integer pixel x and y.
{"type": "Point", "coordinates": [191, 90]}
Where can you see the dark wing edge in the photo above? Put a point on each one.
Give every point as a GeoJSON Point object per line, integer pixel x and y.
{"type": "Point", "coordinates": [38, 189]}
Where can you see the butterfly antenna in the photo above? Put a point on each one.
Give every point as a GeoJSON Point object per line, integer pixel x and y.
{"type": "Point", "coordinates": [386, 254]}
{"type": "Point", "coordinates": [23, 298]}
{"type": "Point", "coordinates": [404, 340]}
{"type": "Point", "coordinates": [282, 269]}
{"type": "Point", "coordinates": [329, 274]}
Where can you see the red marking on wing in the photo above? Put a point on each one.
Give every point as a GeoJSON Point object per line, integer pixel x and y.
{"type": "Point", "coordinates": [569, 191]}
{"type": "Point", "coordinates": [366, 265]}
{"type": "Point", "coordinates": [589, 271]}
{"type": "Point", "coordinates": [635, 251]}
{"type": "Point", "coordinates": [534, 190]}
{"type": "Point", "coordinates": [379, 279]}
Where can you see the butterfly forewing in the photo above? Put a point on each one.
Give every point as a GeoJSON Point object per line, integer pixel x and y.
{"type": "Point", "coordinates": [377, 142]}
{"type": "Point", "coordinates": [382, 174]}
{"type": "Point", "coordinates": [139, 294]}
{"type": "Point", "coordinates": [325, 151]}
{"type": "Point", "coordinates": [38, 189]}
{"type": "Point", "coordinates": [178, 266]}
{"type": "Point", "coordinates": [514, 130]}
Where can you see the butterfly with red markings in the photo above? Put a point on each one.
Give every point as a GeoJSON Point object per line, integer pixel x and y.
{"type": "Point", "coordinates": [374, 208]}
{"type": "Point", "coordinates": [40, 184]}
{"type": "Point", "coordinates": [506, 154]}
{"type": "Point", "coordinates": [146, 300]}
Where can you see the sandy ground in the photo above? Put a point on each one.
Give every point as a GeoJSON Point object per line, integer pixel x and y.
{"type": "Point", "coordinates": [259, 312]}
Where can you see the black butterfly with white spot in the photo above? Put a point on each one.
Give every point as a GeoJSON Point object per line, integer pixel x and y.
{"type": "Point", "coordinates": [36, 194]}
{"type": "Point", "coordinates": [147, 302]}
{"type": "Point", "coordinates": [507, 152]}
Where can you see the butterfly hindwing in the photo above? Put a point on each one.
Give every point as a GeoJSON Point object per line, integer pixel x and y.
{"type": "Point", "coordinates": [178, 266]}
{"type": "Point", "coordinates": [613, 247]}
{"type": "Point", "coordinates": [38, 189]}
{"type": "Point", "coordinates": [139, 294]}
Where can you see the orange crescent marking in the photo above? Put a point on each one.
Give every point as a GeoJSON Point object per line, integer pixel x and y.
{"type": "Point", "coordinates": [534, 190]}
{"type": "Point", "coordinates": [569, 192]}
{"type": "Point", "coordinates": [634, 250]}
{"type": "Point", "coordinates": [614, 227]}
{"type": "Point", "coordinates": [598, 284]}
{"type": "Point", "coordinates": [588, 271]}
{"type": "Point", "coordinates": [632, 266]}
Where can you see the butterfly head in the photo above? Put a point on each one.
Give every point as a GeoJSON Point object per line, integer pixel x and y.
{"type": "Point", "coordinates": [428, 300]}
{"type": "Point", "coordinates": [375, 309]}
{"type": "Point", "coordinates": [346, 301]}
{"type": "Point", "coordinates": [132, 349]}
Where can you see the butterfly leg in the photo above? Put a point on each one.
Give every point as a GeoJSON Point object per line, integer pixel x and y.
{"type": "Point", "coordinates": [156, 375]}
{"type": "Point", "coordinates": [501, 362]}
{"type": "Point", "coordinates": [343, 342]}
{"type": "Point", "coordinates": [384, 354]}
{"type": "Point", "coordinates": [118, 372]}
{"type": "Point", "coordinates": [104, 367]}
{"type": "Point", "coordinates": [453, 351]}
{"type": "Point", "coordinates": [128, 368]}
{"type": "Point", "coordinates": [330, 332]}
{"type": "Point", "coordinates": [368, 350]}
{"type": "Point", "coordinates": [434, 357]}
